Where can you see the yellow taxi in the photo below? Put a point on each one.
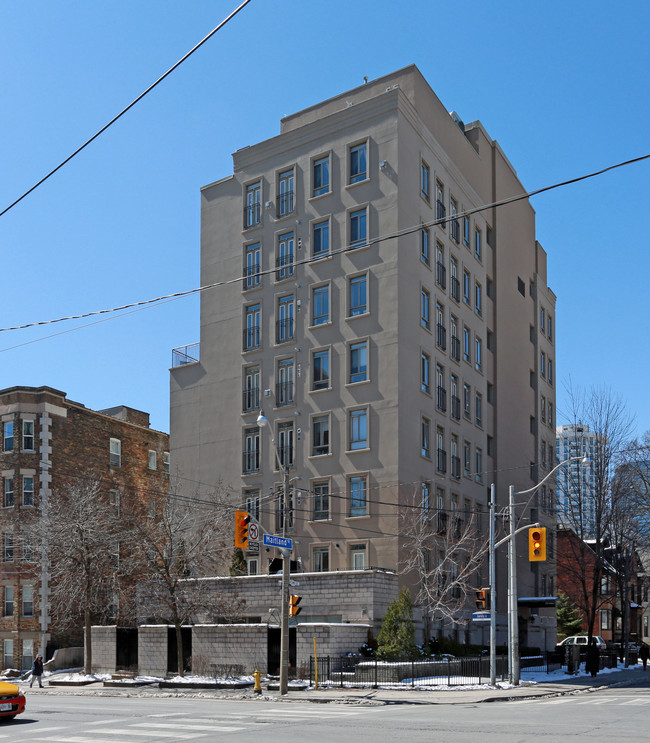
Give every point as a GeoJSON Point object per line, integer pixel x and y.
{"type": "Point", "coordinates": [12, 701]}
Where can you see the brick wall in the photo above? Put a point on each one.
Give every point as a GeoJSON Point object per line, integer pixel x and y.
{"type": "Point", "coordinates": [152, 650]}
{"type": "Point", "coordinates": [104, 649]}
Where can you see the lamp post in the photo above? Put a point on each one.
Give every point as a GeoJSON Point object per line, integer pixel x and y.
{"type": "Point", "coordinates": [262, 421]}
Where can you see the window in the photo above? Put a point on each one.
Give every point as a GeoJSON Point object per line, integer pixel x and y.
{"type": "Point", "coordinates": [321, 501]}
{"type": "Point", "coordinates": [8, 436]}
{"type": "Point", "coordinates": [114, 500]}
{"type": "Point", "coordinates": [424, 182]}
{"type": "Point", "coordinates": [358, 228]}
{"type": "Point", "coordinates": [441, 331]}
{"type": "Point", "coordinates": [320, 435]}
{"type": "Point", "coordinates": [8, 547]}
{"type": "Point", "coordinates": [550, 371]}
{"type": "Point", "coordinates": [252, 503]}
{"type": "Point", "coordinates": [358, 295]}
{"type": "Point", "coordinates": [440, 450]}
{"type": "Point", "coordinates": [358, 495]}
{"type": "Point", "coordinates": [455, 459]}
{"type": "Point", "coordinates": [284, 261]}
{"type": "Point", "coordinates": [467, 345]}
{"type": "Point", "coordinates": [425, 499]}
{"type": "Point", "coordinates": [441, 271]}
{"type": "Point", "coordinates": [8, 492]}
{"type": "Point", "coordinates": [542, 409]}
{"type": "Point", "coordinates": [441, 392]}
{"type": "Point", "coordinates": [285, 443]}
{"type": "Point", "coordinates": [466, 228]}
{"type": "Point", "coordinates": [425, 255]}
{"type": "Point", "coordinates": [251, 456]}
{"type": "Point", "coordinates": [358, 556]}
{"type": "Point", "coordinates": [467, 459]}
{"type": "Point", "coordinates": [440, 204]}
{"type": "Point", "coordinates": [455, 341]}
{"type": "Point", "coordinates": [455, 400]}
{"type": "Point", "coordinates": [425, 373]}
{"type": "Point", "coordinates": [478, 409]}
{"type": "Point", "coordinates": [321, 239]}
{"type": "Point", "coordinates": [605, 619]}
{"type": "Point", "coordinates": [478, 298]}
{"type": "Point", "coordinates": [320, 378]}
{"type": "Point", "coordinates": [521, 286]}
{"type": "Point", "coordinates": [321, 176]}
{"type": "Point", "coordinates": [455, 283]}
{"type": "Point", "coordinates": [358, 422]}
{"type": "Point", "coordinates": [542, 319]}
{"type": "Point", "coordinates": [252, 208]}
{"type": "Point", "coordinates": [28, 654]}
{"type": "Point", "coordinates": [425, 309]}
{"type": "Point", "coordinates": [358, 162]}
{"type": "Point", "coordinates": [320, 305]}
{"type": "Point", "coordinates": [358, 361]}
{"type": "Point", "coordinates": [251, 395]}
{"type": "Point", "coordinates": [284, 327]}
{"type": "Point", "coordinates": [252, 265]}
{"type": "Point", "coordinates": [8, 646]}
{"type": "Point", "coordinates": [285, 192]}
{"type": "Point", "coordinates": [28, 491]}
{"type": "Point", "coordinates": [284, 382]}
{"type": "Point", "coordinates": [28, 435]}
{"type": "Point", "coordinates": [166, 462]}
{"type": "Point", "coordinates": [467, 283]}
{"type": "Point", "coordinates": [479, 465]}
{"type": "Point", "coordinates": [478, 354]}
{"type": "Point", "coordinates": [321, 559]}
{"type": "Point", "coordinates": [542, 364]}
{"type": "Point", "coordinates": [549, 325]}
{"type": "Point", "coordinates": [478, 247]}
{"type": "Point", "coordinates": [115, 458]}
{"type": "Point", "coordinates": [28, 601]}
{"type": "Point", "coordinates": [425, 437]}
{"type": "Point", "coordinates": [153, 460]}
{"type": "Point", "coordinates": [453, 222]}
{"type": "Point", "coordinates": [550, 413]}
{"type": "Point", "coordinates": [252, 565]}
{"type": "Point", "coordinates": [252, 332]}
{"type": "Point", "coordinates": [9, 601]}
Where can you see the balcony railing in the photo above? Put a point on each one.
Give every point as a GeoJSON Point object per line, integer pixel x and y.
{"type": "Point", "coordinates": [252, 337]}
{"type": "Point", "coordinates": [455, 407]}
{"type": "Point", "coordinates": [443, 518]}
{"type": "Point", "coordinates": [441, 399]}
{"type": "Point", "coordinates": [455, 288]}
{"type": "Point", "coordinates": [441, 274]}
{"type": "Point", "coordinates": [455, 348]}
{"type": "Point", "coordinates": [285, 454]}
{"type": "Point", "coordinates": [186, 355]}
{"type": "Point", "coordinates": [455, 467]}
{"type": "Point", "coordinates": [284, 267]}
{"type": "Point", "coordinates": [252, 214]}
{"type": "Point", "coordinates": [253, 276]}
{"type": "Point", "coordinates": [285, 204]}
{"type": "Point", "coordinates": [250, 461]}
{"type": "Point", "coordinates": [283, 394]}
{"type": "Point", "coordinates": [441, 212]}
{"type": "Point", "coordinates": [441, 336]}
{"type": "Point", "coordinates": [441, 460]}
{"type": "Point", "coordinates": [284, 330]}
{"type": "Point", "coordinates": [251, 399]}
{"type": "Point", "coordinates": [455, 230]}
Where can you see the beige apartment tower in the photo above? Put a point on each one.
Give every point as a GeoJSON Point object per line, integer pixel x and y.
{"type": "Point", "coordinates": [395, 327]}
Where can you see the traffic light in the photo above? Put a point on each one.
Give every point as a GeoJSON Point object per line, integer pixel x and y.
{"type": "Point", "coordinates": [537, 544]}
{"type": "Point", "coordinates": [483, 599]}
{"type": "Point", "coordinates": [294, 609]}
{"type": "Point", "coordinates": [242, 519]}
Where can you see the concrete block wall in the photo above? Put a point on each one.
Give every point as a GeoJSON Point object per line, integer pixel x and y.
{"type": "Point", "coordinates": [224, 646]}
{"type": "Point", "coordinates": [331, 639]}
{"type": "Point", "coordinates": [152, 650]}
{"type": "Point", "coordinates": [104, 649]}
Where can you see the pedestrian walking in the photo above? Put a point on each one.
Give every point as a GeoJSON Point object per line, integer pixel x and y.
{"type": "Point", "coordinates": [644, 653]}
{"type": "Point", "coordinates": [37, 671]}
{"type": "Point", "coordinates": [592, 664]}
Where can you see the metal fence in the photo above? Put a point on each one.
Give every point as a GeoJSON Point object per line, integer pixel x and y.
{"type": "Point", "coordinates": [361, 671]}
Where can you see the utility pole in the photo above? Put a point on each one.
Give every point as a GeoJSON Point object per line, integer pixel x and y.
{"type": "Point", "coordinates": [286, 571]}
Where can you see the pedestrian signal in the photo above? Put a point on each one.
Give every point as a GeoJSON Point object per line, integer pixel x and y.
{"type": "Point", "coordinates": [483, 599]}
{"type": "Point", "coordinates": [294, 609]}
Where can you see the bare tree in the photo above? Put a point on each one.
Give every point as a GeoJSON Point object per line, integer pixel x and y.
{"type": "Point", "coordinates": [602, 426]}
{"type": "Point", "coordinates": [444, 551]}
{"type": "Point", "coordinates": [80, 536]}
{"type": "Point", "coordinates": [178, 543]}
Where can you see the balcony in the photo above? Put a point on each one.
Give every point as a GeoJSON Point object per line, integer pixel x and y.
{"type": "Point", "coordinates": [186, 355]}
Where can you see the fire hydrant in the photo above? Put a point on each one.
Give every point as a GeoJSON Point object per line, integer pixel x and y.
{"type": "Point", "coordinates": [258, 686]}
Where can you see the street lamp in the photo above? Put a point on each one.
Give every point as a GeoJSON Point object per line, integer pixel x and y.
{"type": "Point", "coordinates": [513, 624]}
{"type": "Point", "coordinates": [262, 421]}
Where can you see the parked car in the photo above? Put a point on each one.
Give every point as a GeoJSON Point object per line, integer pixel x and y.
{"type": "Point", "coordinates": [12, 701]}
{"type": "Point", "coordinates": [582, 640]}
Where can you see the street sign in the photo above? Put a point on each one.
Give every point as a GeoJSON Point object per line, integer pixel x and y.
{"type": "Point", "coordinates": [282, 542]}
{"type": "Point", "coordinates": [253, 532]}
{"type": "Point", "coordinates": [253, 546]}
{"type": "Point", "coordinates": [481, 616]}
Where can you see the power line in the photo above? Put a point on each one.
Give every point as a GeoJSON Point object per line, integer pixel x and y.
{"type": "Point", "coordinates": [339, 251]}
{"type": "Point", "coordinates": [124, 110]}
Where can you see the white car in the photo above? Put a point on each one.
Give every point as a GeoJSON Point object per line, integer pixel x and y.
{"type": "Point", "coordinates": [582, 640]}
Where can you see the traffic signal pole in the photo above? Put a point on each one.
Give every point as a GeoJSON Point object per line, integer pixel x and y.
{"type": "Point", "coordinates": [286, 570]}
{"type": "Point", "coordinates": [493, 591]}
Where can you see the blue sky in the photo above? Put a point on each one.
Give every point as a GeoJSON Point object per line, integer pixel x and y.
{"type": "Point", "coordinates": [563, 86]}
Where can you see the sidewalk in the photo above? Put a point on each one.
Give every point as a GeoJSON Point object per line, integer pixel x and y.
{"type": "Point", "coordinates": [558, 684]}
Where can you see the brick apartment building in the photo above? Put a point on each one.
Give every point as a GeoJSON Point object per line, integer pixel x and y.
{"type": "Point", "coordinates": [48, 443]}
{"type": "Point", "coordinates": [398, 332]}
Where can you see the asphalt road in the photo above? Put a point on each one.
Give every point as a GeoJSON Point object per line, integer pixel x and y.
{"type": "Point", "coordinates": [620, 714]}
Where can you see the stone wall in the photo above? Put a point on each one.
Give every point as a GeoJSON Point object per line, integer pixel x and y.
{"type": "Point", "coordinates": [104, 649]}
{"type": "Point", "coordinates": [152, 650]}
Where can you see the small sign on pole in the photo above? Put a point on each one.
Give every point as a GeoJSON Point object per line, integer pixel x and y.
{"type": "Point", "coordinates": [481, 616]}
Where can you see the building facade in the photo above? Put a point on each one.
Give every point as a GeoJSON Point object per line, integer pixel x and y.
{"type": "Point", "coordinates": [576, 486]}
{"type": "Point", "coordinates": [397, 330]}
{"type": "Point", "coordinates": [49, 443]}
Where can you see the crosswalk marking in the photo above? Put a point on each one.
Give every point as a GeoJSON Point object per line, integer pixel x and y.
{"type": "Point", "coordinates": [638, 700]}
{"type": "Point", "coordinates": [183, 726]}
{"type": "Point", "coordinates": [130, 731]}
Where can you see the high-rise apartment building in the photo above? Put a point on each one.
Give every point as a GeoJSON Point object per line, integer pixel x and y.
{"type": "Point", "coordinates": [576, 484]}
{"type": "Point", "coordinates": [395, 326]}
{"type": "Point", "coordinates": [50, 444]}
